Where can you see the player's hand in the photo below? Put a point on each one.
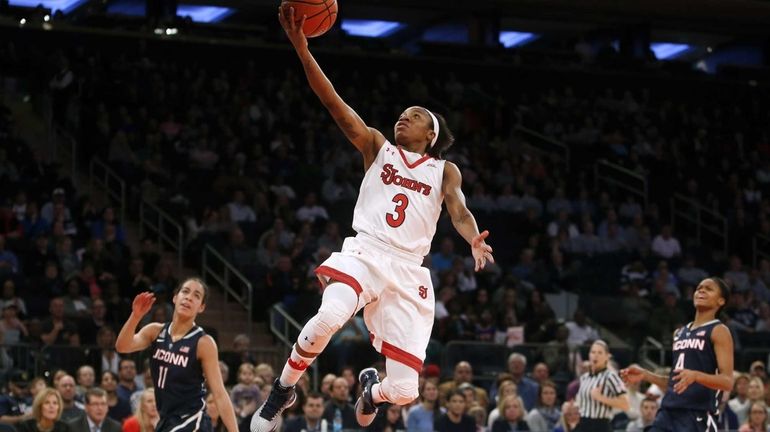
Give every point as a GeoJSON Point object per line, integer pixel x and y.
{"type": "Point", "coordinates": [683, 378]}
{"type": "Point", "coordinates": [142, 304]}
{"type": "Point", "coordinates": [596, 393]}
{"type": "Point", "coordinates": [291, 27]}
{"type": "Point", "coordinates": [482, 252]}
{"type": "Point", "coordinates": [632, 374]}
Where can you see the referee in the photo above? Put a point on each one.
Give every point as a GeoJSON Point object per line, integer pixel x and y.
{"type": "Point", "coordinates": [601, 390]}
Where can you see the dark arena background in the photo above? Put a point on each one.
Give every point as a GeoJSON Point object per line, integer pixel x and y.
{"type": "Point", "coordinates": [618, 152]}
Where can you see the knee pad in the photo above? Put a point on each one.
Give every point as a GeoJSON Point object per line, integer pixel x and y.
{"type": "Point", "coordinates": [399, 391]}
{"type": "Point", "coordinates": [331, 316]}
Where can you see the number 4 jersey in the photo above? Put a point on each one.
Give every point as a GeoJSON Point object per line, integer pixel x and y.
{"type": "Point", "coordinates": [693, 350]}
{"type": "Point", "coordinates": [177, 373]}
{"type": "Point", "coordinates": [399, 202]}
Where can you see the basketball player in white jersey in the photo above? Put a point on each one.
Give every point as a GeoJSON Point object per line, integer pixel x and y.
{"type": "Point", "coordinates": [380, 269]}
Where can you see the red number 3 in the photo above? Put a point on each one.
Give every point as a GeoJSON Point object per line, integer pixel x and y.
{"type": "Point", "coordinates": [402, 202]}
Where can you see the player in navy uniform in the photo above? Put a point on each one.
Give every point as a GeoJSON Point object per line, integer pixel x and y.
{"type": "Point", "coordinates": [183, 361]}
{"type": "Point", "coordinates": [703, 366]}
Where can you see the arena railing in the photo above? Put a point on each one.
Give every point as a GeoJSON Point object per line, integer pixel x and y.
{"type": "Point", "coordinates": [703, 220]}
{"type": "Point", "coordinates": [101, 175]}
{"type": "Point", "coordinates": [618, 177]}
{"type": "Point", "coordinates": [287, 329]}
{"type": "Point", "coordinates": [168, 230]}
{"type": "Point", "coordinates": [545, 145]}
{"type": "Point", "coordinates": [216, 267]}
{"type": "Point", "coordinates": [760, 247]}
{"type": "Point", "coordinates": [651, 348]}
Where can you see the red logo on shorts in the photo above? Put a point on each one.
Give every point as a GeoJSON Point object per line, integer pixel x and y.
{"type": "Point", "coordinates": [423, 292]}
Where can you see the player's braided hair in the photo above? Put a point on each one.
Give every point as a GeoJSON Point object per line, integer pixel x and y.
{"type": "Point", "coordinates": [724, 291]}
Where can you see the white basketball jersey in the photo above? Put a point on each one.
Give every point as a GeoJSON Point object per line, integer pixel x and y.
{"type": "Point", "coordinates": [400, 199]}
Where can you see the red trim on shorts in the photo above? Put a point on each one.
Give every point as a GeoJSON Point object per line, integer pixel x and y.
{"type": "Point", "coordinates": [340, 276]}
{"type": "Point", "coordinates": [415, 163]}
{"type": "Point", "coordinates": [395, 353]}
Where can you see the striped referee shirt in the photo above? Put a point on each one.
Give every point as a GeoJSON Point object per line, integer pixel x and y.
{"type": "Point", "coordinates": [612, 386]}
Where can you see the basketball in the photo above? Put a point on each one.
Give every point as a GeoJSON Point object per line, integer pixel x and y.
{"type": "Point", "coordinates": [321, 15]}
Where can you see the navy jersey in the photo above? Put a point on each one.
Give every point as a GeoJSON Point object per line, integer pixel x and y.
{"type": "Point", "coordinates": [693, 350]}
{"type": "Point", "coordinates": [177, 373]}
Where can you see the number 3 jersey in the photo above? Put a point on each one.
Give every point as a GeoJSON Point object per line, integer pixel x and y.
{"type": "Point", "coordinates": [693, 350]}
{"type": "Point", "coordinates": [399, 202]}
{"type": "Point", "coordinates": [177, 373]}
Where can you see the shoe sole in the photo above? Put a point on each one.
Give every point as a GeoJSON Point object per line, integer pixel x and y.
{"type": "Point", "coordinates": [272, 424]}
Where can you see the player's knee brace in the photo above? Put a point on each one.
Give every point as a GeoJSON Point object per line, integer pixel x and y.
{"type": "Point", "coordinates": [399, 391]}
{"type": "Point", "coordinates": [331, 316]}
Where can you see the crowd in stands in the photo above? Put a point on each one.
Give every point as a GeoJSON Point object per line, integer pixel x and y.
{"type": "Point", "coordinates": [251, 164]}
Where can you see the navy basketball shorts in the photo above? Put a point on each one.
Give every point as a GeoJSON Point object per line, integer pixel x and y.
{"type": "Point", "coordinates": [197, 422]}
{"type": "Point", "coordinates": [682, 420]}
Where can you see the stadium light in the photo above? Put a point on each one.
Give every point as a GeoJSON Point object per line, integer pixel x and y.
{"type": "Point", "coordinates": [511, 39]}
{"type": "Point", "coordinates": [204, 14]}
{"type": "Point", "coordinates": [668, 50]}
{"type": "Point", "coordinates": [65, 6]}
{"type": "Point", "coordinates": [370, 28]}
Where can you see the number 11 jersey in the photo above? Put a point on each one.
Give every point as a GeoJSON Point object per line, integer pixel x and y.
{"type": "Point", "coordinates": [399, 202]}
{"type": "Point", "coordinates": [177, 374]}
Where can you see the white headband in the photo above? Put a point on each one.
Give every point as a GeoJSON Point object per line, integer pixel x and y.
{"type": "Point", "coordinates": [435, 128]}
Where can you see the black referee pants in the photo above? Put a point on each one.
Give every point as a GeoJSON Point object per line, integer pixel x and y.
{"type": "Point", "coordinates": [593, 425]}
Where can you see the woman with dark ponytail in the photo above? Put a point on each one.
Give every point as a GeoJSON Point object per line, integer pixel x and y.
{"type": "Point", "coordinates": [700, 348]}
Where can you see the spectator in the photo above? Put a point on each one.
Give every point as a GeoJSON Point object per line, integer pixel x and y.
{"type": "Point", "coordinates": [213, 412]}
{"type": "Point", "coordinates": [119, 409]}
{"type": "Point", "coordinates": [423, 415]}
{"type": "Point", "coordinates": [71, 408]}
{"type": "Point", "coordinates": [46, 414]}
{"type": "Point", "coordinates": [58, 197]}
{"type": "Point", "coordinates": [311, 420]}
{"type": "Point", "coordinates": [689, 273]}
{"type": "Point", "coordinates": [389, 419]}
{"type": "Point", "coordinates": [570, 417]}
{"type": "Point", "coordinates": [85, 378]}
{"type": "Point", "coordinates": [76, 305]}
{"type": "Point", "coordinates": [527, 388]}
{"type": "Point", "coordinates": [146, 416]}
{"type": "Point", "coordinates": [455, 419]}
{"type": "Point", "coordinates": [758, 287]}
{"type": "Point", "coordinates": [239, 210]}
{"type": "Point", "coordinates": [546, 414]}
{"type": "Point", "coordinates": [10, 298]}
{"type": "Point", "coordinates": [504, 389]}
{"type": "Point", "coordinates": [33, 224]}
{"type": "Point", "coordinates": [9, 262]}
{"type": "Point", "coordinates": [737, 275]}
{"type": "Point", "coordinates": [512, 416]}
{"type": "Point", "coordinates": [94, 322]}
{"type": "Point", "coordinates": [245, 395]}
{"type": "Point", "coordinates": [758, 418]}
{"type": "Point", "coordinates": [338, 409]}
{"type": "Point", "coordinates": [311, 211]}
{"type": "Point", "coordinates": [740, 403]}
{"type": "Point", "coordinates": [665, 245]}
{"type": "Point", "coordinates": [648, 409]}
{"type": "Point", "coordinates": [666, 318]}
{"type": "Point", "coordinates": [15, 404]}
{"type": "Point", "coordinates": [95, 418]}
{"type": "Point", "coordinates": [443, 259]}
{"type": "Point", "coordinates": [127, 383]}
{"type": "Point", "coordinates": [587, 243]}
{"type": "Point", "coordinates": [463, 373]}
{"type": "Point", "coordinates": [757, 369]}
{"type": "Point", "coordinates": [57, 330]}
{"type": "Point", "coordinates": [580, 332]}
{"type": "Point", "coordinates": [540, 373]}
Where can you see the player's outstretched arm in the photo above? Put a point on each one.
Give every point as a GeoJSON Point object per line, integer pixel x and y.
{"type": "Point", "coordinates": [128, 340]}
{"type": "Point", "coordinates": [462, 218]}
{"type": "Point", "coordinates": [635, 373]}
{"type": "Point", "coordinates": [367, 140]}
{"type": "Point", "coordinates": [209, 358]}
{"type": "Point", "coordinates": [723, 380]}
